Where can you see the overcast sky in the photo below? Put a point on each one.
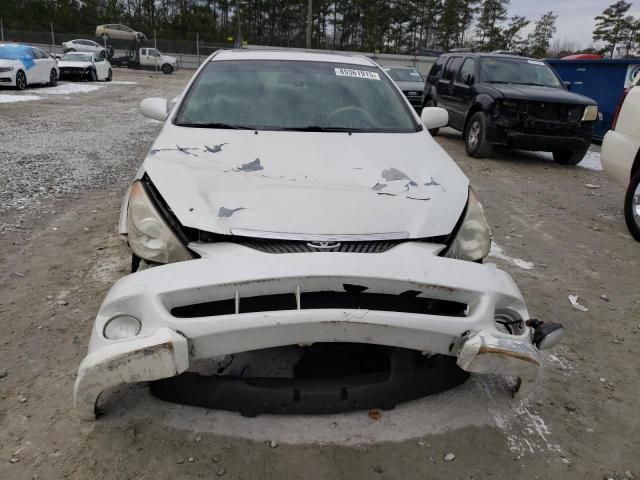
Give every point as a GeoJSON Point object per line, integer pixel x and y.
{"type": "Point", "coordinates": [575, 17]}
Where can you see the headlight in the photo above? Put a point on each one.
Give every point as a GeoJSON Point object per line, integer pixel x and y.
{"type": "Point", "coordinates": [473, 240]}
{"type": "Point", "coordinates": [122, 326]}
{"type": "Point", "coordinates": [6, 69]}
{"type": "Point", "coordinates": [150, 237]}
{"type": "Point", "coordinates": [590, 113]}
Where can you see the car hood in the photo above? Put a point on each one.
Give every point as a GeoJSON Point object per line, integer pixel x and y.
{"type": "Point", "coordinates": [540, 94]}
{"type": "Point", "coordinates": [10, 63]}
{"type": "Point", "coordinates": [301, 183]}
{"type": "Point", "coordinates": [415, 86]}
{"type": "Point", "coordinates": [62, 64]}
{"type": "Point", "coordinates": [168, 59]}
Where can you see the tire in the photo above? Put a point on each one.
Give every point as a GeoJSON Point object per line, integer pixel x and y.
{"type": "Point", "coordinates": [109, 76]}
{"type": "Point", "coordinates": [21, 80]}
{"type": "Point", "coordinates": [53, 78]}
{"type": "Point", "coordinates": [432, 131]}
{"type": "Point", "coordinates": [475, 136]}
{"type": "Point", "coordinates": [92, 77]}
{"type": "Point", "coordinates": [569, 157]}
{"type": "Point", "coordinates": [167, 69]}
{"type": "Point", "coordinates": [632, 206]}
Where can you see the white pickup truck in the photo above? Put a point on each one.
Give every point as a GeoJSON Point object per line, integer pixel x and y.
{"type": "Point", "coordinates": [148, 59]}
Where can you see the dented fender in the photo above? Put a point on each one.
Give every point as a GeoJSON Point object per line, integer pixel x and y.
{"type": "Point", "coordinates": [161, 355]}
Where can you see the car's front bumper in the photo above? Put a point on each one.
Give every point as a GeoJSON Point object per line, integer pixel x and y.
{"type": "Point", "coordinates": [8, 79]}
{"type": "Point", "coordinates": [73, 74]}
{"type": "Point", "coordinates": [239, 278]}
{"type": "Point", "coordinates": [541, 139]}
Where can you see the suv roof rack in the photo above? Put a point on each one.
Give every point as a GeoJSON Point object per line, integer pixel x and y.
{"type": "Point", "coordinates": [506, 52]}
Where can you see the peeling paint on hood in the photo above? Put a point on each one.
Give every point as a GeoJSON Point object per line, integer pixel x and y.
{"type": "Point", "coordinates": [311, 183]}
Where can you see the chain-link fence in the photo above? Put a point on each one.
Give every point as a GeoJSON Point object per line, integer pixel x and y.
{"type": "Point", "coordinates": [55, 38]}
{"type": "Point", "coordinates": [189, 53]}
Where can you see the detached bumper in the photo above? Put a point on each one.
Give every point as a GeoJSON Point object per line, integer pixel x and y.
{"type": "Point", "coordinates": [541, 140]}
{"type": "Point", "coordinates": [236, 299]}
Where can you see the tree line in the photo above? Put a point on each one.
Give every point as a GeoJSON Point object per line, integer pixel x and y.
{"type": "Point", "coordinates": [393, 26]}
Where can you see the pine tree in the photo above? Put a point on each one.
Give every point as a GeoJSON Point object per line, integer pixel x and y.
{"type": "Point", "coordinates": [511, 39]}
{"type": "Point", "coordinates": [540, 38]}
{"type": "Point", "coordinates": [630, 36]}
{"type": "Point", "coordinates": [610, 25]}
{"type": "Point", "coordinates": [492, 13]}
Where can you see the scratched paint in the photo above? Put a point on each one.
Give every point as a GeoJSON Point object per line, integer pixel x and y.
{"type": "Point", "coordinates": [395, 182]}
{"type": "Point", "coordinates": [228, 212]}
{"type": "Point", "coordinates": [215, 148]}
{"type": "Point", "coordinates": [254, 166]}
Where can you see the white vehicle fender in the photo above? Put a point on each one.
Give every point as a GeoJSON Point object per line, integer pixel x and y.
{"type": "Point", "coordinates": [124, 206]}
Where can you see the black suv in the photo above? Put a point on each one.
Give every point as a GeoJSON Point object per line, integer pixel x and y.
{"type": "Point", "coordinates": [513, 101]}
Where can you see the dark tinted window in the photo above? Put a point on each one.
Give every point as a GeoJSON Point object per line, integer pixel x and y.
{"type": "Point", "coordinates": [451, 68]}
{"type": "Point", "coordinates": [436, 68]}
{"type": "Point", "coordinates": [521, 71]}
{"type": "Point", "coordinates": [468, 68]}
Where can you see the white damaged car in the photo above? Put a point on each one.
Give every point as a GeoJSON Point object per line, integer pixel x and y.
{"type": "Point", "coordinates": [90, 67]}
{"type": "Point", "coordinates": [296, 199]}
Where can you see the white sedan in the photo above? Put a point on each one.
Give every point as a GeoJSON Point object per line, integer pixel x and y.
{"type": "Point", "coordinates": [80, 45]}
{"type": "Point", "coordinates": [295, 199]}
{"type": "Point", "coordinates": [620, 155]}
{"type": "Point", "coordinates": [24, 65]}
{"type": "Point", "coordinates": [85, 66]}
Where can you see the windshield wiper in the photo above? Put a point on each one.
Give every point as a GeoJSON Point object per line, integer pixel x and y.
{"type": "Point", "coordinates": [318, 128]}
{"type": "Point", "coordinates": [214, 125]}
{"type": "Point", "coordinates": [532, 84]}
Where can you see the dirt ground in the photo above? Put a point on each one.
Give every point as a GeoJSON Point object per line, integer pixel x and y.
{"type": "Point", "coordinates": [65, 163]}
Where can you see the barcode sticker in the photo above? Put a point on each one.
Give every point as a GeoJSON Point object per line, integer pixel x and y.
{"type": "Point", "coordinates": [348, 72]}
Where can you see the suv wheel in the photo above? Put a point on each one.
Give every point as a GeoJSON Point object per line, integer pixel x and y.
{"type": "Point", "coordinates": [432, 131]}
{"type": "Point", "coordinates": [475, 136]}
{"type": "Point", "coordinates": [569, 157]}
{"type": "Point", "coordinates": [632, 206]}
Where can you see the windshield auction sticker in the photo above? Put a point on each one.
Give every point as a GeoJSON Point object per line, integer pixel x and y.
{"type": "Point", "coordinates": [348, 72]}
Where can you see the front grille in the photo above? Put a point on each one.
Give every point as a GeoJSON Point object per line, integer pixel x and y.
{"type": "Point", "coordinates": [554, 112]}
{"type": "Point", "coordinates": [296, 246]}
{"type": "Point", "coordinates": [541, 112]}
{"type": "Point", "coordinates": [71, 70]}
{"type": "Point", "coordinates": [350, 299]}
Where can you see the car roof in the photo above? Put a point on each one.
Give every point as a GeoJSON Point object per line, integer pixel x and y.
{"type": "Point", "coordinates": [12, 44]}
{"type": "Point", "coordinates": [485, 55]}
{"type": "Point", "coordinates": [300, 56]}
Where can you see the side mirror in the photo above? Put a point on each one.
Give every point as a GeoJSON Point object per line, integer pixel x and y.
{"type": "Point", "coordinates": [568, 85]}
{"type": "Point", "coordinates": [155, 108]}
{"type": "Point", "coordinates": [434, 117]}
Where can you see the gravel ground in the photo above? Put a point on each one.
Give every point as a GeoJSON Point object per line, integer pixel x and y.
{"type": "Point", "coordinates": [68, 158]}
{"type": "Point", "coordinates": [73, 138]}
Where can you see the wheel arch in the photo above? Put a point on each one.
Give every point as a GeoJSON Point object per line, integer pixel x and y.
{"type": "Point", "coordinates": [428, 96]}
{"type": "Point", "coordinates": [482, 103]}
